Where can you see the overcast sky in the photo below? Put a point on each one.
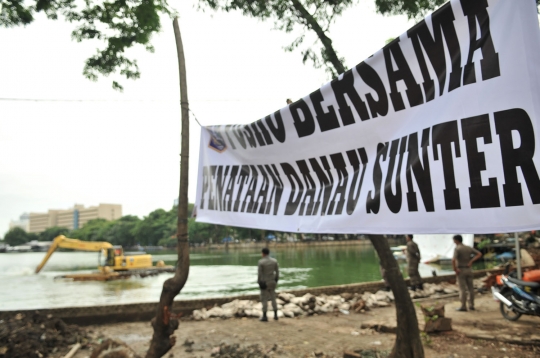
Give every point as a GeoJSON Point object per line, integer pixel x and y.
{"type": "Point", "coordinates": [85, 143]}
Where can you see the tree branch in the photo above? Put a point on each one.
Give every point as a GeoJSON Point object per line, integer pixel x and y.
{"type": "Point", "coordinates": [331, 55]}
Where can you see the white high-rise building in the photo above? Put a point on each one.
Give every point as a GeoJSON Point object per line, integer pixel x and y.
{"type": "Point", "coordinates": [23, 222]}
{"type": "Point", "coordinates": [73, 218]}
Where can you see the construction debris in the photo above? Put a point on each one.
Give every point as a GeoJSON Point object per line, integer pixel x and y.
{"type": "Point", "coordinates": [38, 336]}
{"type": "Point", "coordinates": [236, 351]}
{"type": "Point", "coordinates": [290, 306]}
{"type": "Point", "coordinates": [113, 349]}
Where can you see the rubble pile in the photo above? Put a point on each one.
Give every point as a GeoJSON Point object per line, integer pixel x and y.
{"type": "Point", "coordinates": [236, 351]}
{"type": "Point", "coordinates": [37, 336]}
{"type": "Point", "coordinates": [368, 353]}
{"type": "Point", "coordinates": [291, 306]}
{"type": "Point", "coordinates": [113, 349]}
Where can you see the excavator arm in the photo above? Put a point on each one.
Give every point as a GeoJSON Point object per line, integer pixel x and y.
{"type": "Point", "coordinates": [74, 244]}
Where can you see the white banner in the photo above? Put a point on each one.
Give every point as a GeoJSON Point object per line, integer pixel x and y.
{"type": "Point", "coordinates": [436, 133]}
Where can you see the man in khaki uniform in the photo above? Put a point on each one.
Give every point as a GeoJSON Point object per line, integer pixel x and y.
{"type": "Point", "coordinates": [268, 277]}
{"type": "Point", "coordinates": [413, 260]}
{"type": "Point", "coordinates": [462, 263]}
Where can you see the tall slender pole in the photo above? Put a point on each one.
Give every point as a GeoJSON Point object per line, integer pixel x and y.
{"type": "Point", "coordinates": [182, 228]}
{"type": "Point", "coordinates": [518, 256]}
{"type": "Point", "coordinates": [165, 323]}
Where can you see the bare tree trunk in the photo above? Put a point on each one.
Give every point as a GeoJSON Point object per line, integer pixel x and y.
{"type": "Point", "coordinates": [164, 323]}
{"type": "Point", "coordinates": [408, 343]}
{"type": "Point", "coordinates": [263, 238]}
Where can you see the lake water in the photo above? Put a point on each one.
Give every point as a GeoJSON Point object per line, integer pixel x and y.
{"type": "Point", "coordinates": [213, 273]}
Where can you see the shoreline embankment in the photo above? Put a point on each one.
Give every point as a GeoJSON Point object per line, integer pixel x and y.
{"type": "Point", "coordinates": [296, 244]}
{"type": "Point", "coordinates": [138, 312]}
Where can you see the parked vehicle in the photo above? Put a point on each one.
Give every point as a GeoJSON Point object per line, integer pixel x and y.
{"type": "Point", "coordinates": [517, 297]}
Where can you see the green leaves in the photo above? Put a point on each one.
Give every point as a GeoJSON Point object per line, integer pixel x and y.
{"type": "Point", "coordinates": [52, 232]}
{"type": "Point", "coordinates": [93, 230]}
{"type": "Point", "coordinates": [123, 231]}
{"type": "Point", "coordinates": [159, 224]}
{"type": "Point", "coordinates": [157, 228]}
{"type": "Point", "coordinates": [119, 24]}
{"type": "Point", "coordinates": [412, 8]}
{"type": "Point", "coordinates": [16, 236]}
{"type": "Point", "coordinates": [14, 13]}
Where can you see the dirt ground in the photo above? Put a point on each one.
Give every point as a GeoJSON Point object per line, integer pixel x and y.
{"type": "Point", "coordinates": [33, 335]}
{"type": "Point", "coordinates": [482, 333]}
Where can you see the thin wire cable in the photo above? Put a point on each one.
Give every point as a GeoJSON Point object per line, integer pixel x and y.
{"type": "Point", "coordinates": [185, 105]}
{"type": "Point", "coordinates": [97, 100]}
{"type": "Point", "coordinates": [132, 100]}
{"type": "Point", "coordinates": [195, 117]}
{"type": "Point", "coordinates": [80, 100]}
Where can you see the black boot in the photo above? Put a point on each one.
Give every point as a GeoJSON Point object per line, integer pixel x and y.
{"type": "Point", "coordinates": [275, 316]}
{"type": "Point", "coordinates": [263, 318]}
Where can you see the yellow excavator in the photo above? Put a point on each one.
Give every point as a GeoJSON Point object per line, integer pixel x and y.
{"type": "Point", "coordinates": [113, 264]}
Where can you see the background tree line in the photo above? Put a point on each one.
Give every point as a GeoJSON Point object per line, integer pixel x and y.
{"type": "Point", "coordinates": [156, 229]}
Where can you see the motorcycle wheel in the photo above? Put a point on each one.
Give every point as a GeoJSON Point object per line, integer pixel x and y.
{"type": "Point", "coordinates": [509, 313]}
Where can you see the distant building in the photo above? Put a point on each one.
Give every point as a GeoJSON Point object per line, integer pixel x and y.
{"type": "Point", "coordinates": [23, 222]}
{"type": "Point", "coordinates": [73, 218]}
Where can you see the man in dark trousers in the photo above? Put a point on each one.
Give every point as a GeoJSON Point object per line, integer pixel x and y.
{"type": "Point", "coordinates": [462, 262]}
{"type": "Point", "coordinates": [413, 260]}
{"type": "Point", "coordinates": [268, 277]}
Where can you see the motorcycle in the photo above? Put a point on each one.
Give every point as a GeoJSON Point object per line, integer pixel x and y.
{"type": "Point", "coordinates": [517, 297]}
